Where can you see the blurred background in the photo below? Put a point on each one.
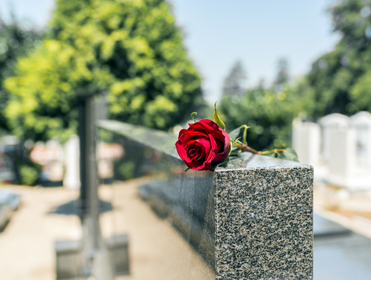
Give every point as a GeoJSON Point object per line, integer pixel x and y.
{"type": "Point", "coordinates": [298, 73]}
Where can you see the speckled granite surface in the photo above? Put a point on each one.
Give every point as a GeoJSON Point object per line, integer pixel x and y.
{"type": "Point", "coordinates": [264, 219]}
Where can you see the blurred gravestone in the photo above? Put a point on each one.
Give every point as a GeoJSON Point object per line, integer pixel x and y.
{"type": "Point", "coordinates": [50, 156]}
{"type": "Point", "coordinates": [306, 141]}
{"type": "Point", "coordinates": [332, 121]}
{"type": "Point", "coordinates": [341, 155]}
{"type": "Point", "coordinates": [346, 149]}
{"type": "Point", "coordinates": [361, 122]}
{"type": "Point", "coordinates": [72, 156]}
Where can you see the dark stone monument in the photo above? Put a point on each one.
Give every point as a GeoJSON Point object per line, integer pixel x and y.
{"type": "Point", "coordinates": [249, 219]}
{"type": "Point", "coordinates": [92, 257]}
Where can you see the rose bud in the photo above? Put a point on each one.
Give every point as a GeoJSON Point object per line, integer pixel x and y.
{"type": "Point", "coordinates": [203, 144]}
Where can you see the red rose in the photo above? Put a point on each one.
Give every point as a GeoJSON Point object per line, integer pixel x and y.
{"type": "Point", "coordinates": [204, 143]}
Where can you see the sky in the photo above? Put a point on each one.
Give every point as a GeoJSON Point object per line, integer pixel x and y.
{"type": "Point", "coordinates": [220, 32]}
{"type": "Point", "coordinates": [259, 33]}
{"type": "Point", "coordinates": [38, 11]}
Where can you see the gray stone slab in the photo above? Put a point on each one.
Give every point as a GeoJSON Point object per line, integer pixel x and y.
{"type": "Point", "coordinates": [264, 219]}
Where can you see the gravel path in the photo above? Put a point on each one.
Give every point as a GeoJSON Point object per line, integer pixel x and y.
{"type": "Point", "coordinates": [157, 250]}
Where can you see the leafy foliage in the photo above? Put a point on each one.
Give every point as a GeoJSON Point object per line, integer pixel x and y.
{"type": "Point", "coordinates": [283, 154]}
{"type": "Point", "coordinates": [233, 83]}
{"type": "Point", "coordinates": [130, 48]}
{"type": "Point", "coordinates": [28, 174]}
{"type": "Point", "coordinates": [15, 41]}
{"type": "Point", "coordinates": [269, 116]}
{"type": "Point", "coordinates": [239, 144]}
{"type": "Point", "coordinates": [340, 80]}
{"type": "Point", "coordinates": [282, 75]}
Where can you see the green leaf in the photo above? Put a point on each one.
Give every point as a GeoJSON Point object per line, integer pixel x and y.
{"type": "Point", "coordinates": [217, 118]}
{"type": "Point", "coordinates": [188, 168]}
{"type": "Point", "coordinates": [291, 155]}
{"type": "Point", "coordinates": [236, 133]}
{"type": "Point", "coordinates": [193, 116]}
{"type": "Point", "coordinates": [234, 149]}
{"type": "Point", "coordinates": [239, 133]}
{"type": "Point", "coordinates": [280, 155]}
{"type": "Point", "coordinates": [272, 154]}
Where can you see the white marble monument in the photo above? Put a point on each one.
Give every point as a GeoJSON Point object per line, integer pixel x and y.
{"type": "Point", "coordinates": [329, 122]}
{"type": "Point", "coordinates": [345, 157]}
{"type": "Point", "coordinates": [72, 163]}
{"type": "Point", "coordinates": [361, 122]}
{"type": "Point", "coordinates": [306, 141]}
{"type": "Point", "coordinates": [341, 156]}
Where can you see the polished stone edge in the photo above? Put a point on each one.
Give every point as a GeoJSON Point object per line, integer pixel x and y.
{"type": "Point", "coordinates": [165, 142]}
{"type": "Point", "coordinates": [156, 139]}
{"type": "Point", "coordinates": [264, 222]}
{"type": "Point", "coordinates": [248, 160]}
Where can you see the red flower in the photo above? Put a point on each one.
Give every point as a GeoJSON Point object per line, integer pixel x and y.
{"type": "Point", "coordinates": [204, 143]}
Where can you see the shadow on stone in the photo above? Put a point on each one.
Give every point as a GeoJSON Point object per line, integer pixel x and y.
{"type": "Point", "coordinates": [72, 208]}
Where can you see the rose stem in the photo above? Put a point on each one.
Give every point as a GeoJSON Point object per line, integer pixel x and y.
{"type": "Point", "coordinates": [244, 147]}
{"type": "Point", "coordinates": [271, 151]}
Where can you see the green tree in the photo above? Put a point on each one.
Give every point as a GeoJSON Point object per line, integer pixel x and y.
{"type": "Point", "coordinates": [268, 114]}
{"type": "Point", "coordinates": [340, 80]}
{"type": "Point", "coordinates": [130, 48]}
{"type": "Point", "coordinates": [233, 83]}
{"type": "Point", "coordinates": [282, 74]}
{"type": "Point", "coordinates": [15, 41]}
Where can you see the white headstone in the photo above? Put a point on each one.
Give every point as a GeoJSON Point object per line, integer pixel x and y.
{"type": "Point", "coordinates": [342, 156]}
{"type": "Point", "coordinates": [306, 141]}
{"type": "Point", "coordinates": [329, 122]}
{"type": "Point", "coordinates": [72, 162]}
{"type": "Point", "coordinates": [361, 122]}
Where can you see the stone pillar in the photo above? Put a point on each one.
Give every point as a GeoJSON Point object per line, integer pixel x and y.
{"type": "Point", "coordinates": [264, 219]}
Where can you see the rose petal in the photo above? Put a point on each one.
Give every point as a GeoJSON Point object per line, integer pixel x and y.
{"type": "Point", "coordinates": [204, 143]}
{"type": "Point", "coordinates": [191, 134]}
{"type": "Point", "coordinates": [180, 149]}
{"type": "Point", "coordinates": [222, 155]}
